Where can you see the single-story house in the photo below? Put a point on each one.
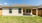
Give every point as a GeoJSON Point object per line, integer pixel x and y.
{"type": "Point", "coordinates": [20, 10]}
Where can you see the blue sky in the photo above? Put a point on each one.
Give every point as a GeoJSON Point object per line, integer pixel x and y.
{"type": "Point", "coordinates": [28, 2]}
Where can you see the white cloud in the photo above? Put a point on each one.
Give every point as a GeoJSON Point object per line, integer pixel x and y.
{"type": "Point", "coordinates": [5, 3]}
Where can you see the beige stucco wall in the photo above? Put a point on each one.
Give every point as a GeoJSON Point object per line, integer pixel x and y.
{"type": "Point", "coordinates": [14, 12]}
{"type": "Point", "coordinates": [0, 12]}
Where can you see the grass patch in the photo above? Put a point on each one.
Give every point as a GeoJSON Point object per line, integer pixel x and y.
{"type": "Point", "coordinates": [20, 19]}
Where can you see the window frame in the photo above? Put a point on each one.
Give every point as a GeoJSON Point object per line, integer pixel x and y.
{"type": "Point", "coordinates": [28, 10]}
{"type": "Point", "coordinates": [10, 10]}
{"type": "Point", "coordinates": [19, 10]}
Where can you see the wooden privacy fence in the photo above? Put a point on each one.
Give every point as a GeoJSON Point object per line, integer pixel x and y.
{"type": "Point", "coordinates": [40, 12]}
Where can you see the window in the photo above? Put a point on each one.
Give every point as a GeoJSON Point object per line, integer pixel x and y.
{"type": "Point", "coordinates": [28, 10]}
{"type": "Point", "coordinates": [10, 10]}
{"type": "Point", "coordinates": [19, 10]}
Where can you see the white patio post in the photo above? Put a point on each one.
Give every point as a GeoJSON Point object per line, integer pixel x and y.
{"type": "Point", "coordinates": [36, 12]}
{"type": "Point", "coordinates": [31, 11]}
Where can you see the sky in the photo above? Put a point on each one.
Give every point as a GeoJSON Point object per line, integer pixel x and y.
{"type": "Point", "coordinates": [28, 2]}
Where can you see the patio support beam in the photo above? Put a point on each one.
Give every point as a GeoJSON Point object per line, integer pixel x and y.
{"type": "Point", "coordinates": [36, 12]}
{"type": "Point", "coordinates": [31, 11]}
